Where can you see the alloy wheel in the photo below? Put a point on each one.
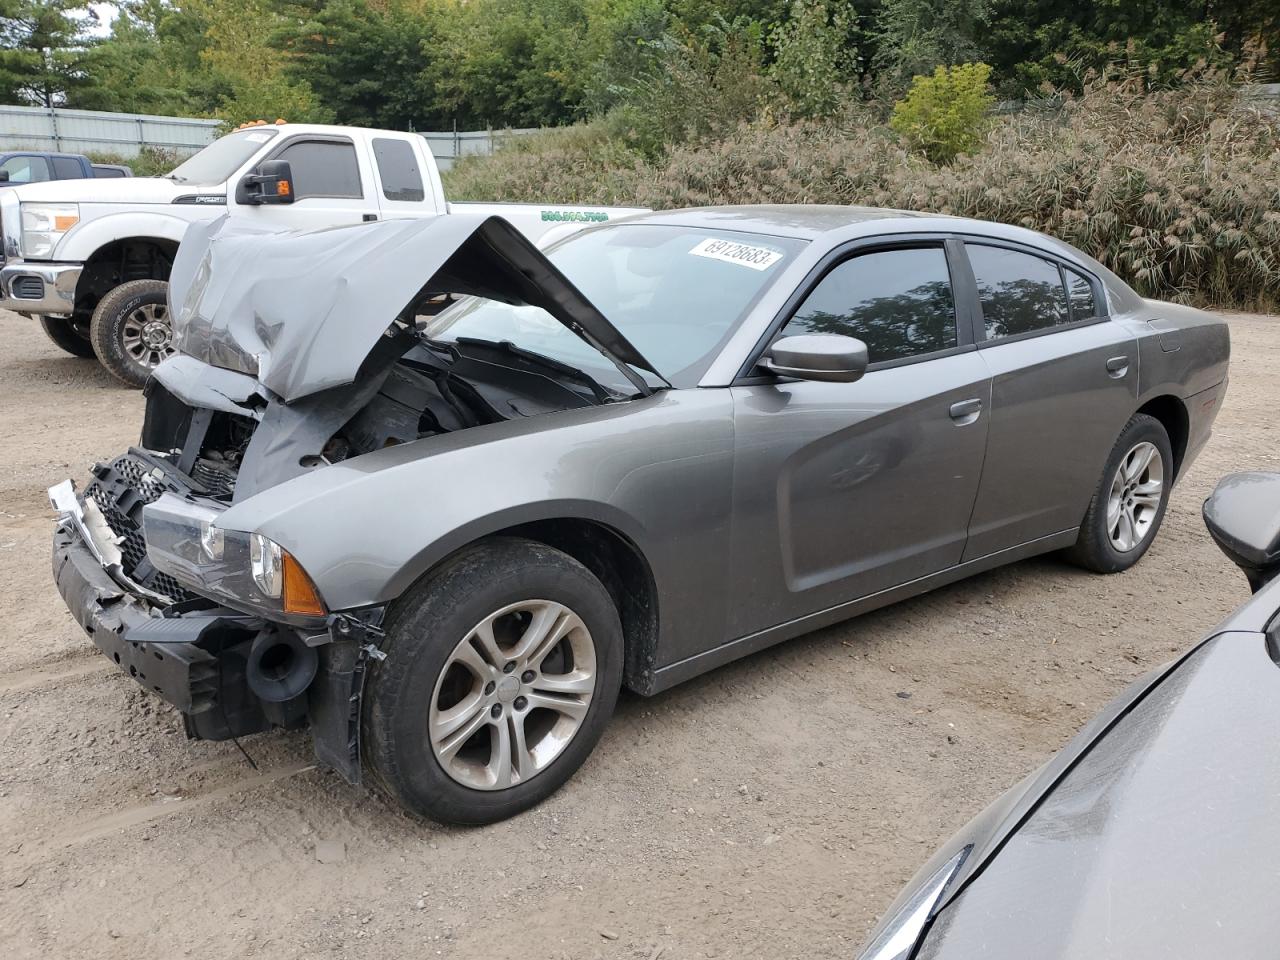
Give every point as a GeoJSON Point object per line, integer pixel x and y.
{"type": "Point", "coordinates": [512, 695]}
{"type": "Point", "coordinates": [1134, 500]}
{"type": "Point", "coordinates": [147, 336]}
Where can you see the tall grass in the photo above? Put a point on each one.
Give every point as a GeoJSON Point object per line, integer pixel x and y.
{"type": "Point", "coordinates": [1178, 191]}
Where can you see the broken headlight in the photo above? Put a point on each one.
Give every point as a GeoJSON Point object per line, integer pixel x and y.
{"type": "Point", "coordinates": [247, 571]}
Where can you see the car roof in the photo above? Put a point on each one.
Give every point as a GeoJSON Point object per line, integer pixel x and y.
{"type": "Point", "coordinates": [805, 221]}
{"type": "Point", "coordinates": [833, 224]}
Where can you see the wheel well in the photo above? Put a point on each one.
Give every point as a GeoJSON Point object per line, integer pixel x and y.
{"type": "Point", "coordinates": [137, 258]}
{"type": "Point", "coordinates": [622, 568]}
{"type": "Point", "coordinates": [1172, 414]}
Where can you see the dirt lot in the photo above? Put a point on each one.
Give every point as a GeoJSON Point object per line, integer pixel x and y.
{"type": "Point", "coordinates": [771, 809]}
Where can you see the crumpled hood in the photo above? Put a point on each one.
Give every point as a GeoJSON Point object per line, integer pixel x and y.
{"type": "Point", "coordinates": [132, 190]}
{"type": "Point", "coordinates": [1162, 842]}
{"type": "Point", "coordinates": [300, 311]}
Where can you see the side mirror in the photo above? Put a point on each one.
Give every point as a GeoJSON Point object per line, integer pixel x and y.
{"type": "Point", "coordinates": [4, 176]}
{"type": "Point", "coordinates": [831, 357]}
{"type": "Point", "coordinates": [270, 182]}
{"type": "Point", "coordinates": [1243, 517]}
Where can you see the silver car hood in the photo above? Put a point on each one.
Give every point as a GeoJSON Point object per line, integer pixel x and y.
{"type": "Point", "coordinates": [1161, 842]}
{"type": "Point", "coordinates": [301, 311]}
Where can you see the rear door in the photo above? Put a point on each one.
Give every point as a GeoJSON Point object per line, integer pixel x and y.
{"type": "Point", "coordinates": [404, 188]}
{"type": "Point", "coordinates": [1064, 380]}
{"type": "Point", "coordinates": [842, 490]}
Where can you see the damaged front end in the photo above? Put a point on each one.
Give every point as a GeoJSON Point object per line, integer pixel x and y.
{"type": "Point", "coordinates": [297, 351]}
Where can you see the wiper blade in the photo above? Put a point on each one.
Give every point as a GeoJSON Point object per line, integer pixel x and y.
{"type": "Point", "coordinates": [557, 367]}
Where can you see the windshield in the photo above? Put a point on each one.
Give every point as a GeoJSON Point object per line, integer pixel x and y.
{"type": "Point", "coordinates": [676, 293]}
{"type": "Point", "coordinates": [219, 160]}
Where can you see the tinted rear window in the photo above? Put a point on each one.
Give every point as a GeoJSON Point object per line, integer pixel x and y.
{"type": "Point", "coordinates": [1020, 293]}
{"type": "Point", "coordinates": [398, 170]}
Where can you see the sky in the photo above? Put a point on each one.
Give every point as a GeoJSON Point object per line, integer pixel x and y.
{"type": "Point", "coordinates": [106, 16]}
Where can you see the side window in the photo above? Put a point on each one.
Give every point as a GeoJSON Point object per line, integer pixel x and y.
{"type": "Point", "coordinates": [397, 169]}
{"type": "Point", "coordinates": [26, 169]}
{"type": "Point", "coordinates": [1080, 295]}
{"type": "Point", "coordinates": [323, 168]}
{"type": "Point", "coordinates": [898, 302]}
{"type": "Point", "coordinates": [65, 168]}
{"type": "Point", "coordinates": [1019, 292]}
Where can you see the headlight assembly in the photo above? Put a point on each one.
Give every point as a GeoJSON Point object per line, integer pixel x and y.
{"type": "Point", "coordinates": [247, 571]}
{"type": "Point", "coordinates": [43, 225]}
{"type": "Point", "coordinates": [900, 934]}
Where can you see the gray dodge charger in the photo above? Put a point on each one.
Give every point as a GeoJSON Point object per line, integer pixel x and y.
{"type": "Point", "coordinates": [439, 496]}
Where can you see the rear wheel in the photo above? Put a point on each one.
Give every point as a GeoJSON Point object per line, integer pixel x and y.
{"type": "Point", "coordinates": [502, 670]}
{"type": "Point", "coordinates": [1129, 504]}
{"type": "Point", "coordinates": [67, 334]}
{"type": "Point", "coordinates": [131, 330]}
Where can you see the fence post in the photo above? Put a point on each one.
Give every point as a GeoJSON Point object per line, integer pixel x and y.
{"type": "Point", "coordinates": [53, 122]}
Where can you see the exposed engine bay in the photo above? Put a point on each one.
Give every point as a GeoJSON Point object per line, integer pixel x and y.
{"type": "Point", "coordinates": [432, 389]}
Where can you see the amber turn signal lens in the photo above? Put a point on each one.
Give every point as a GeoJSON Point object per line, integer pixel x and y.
{"type": "Point", "coordinates": [300, 594]}
{"type": "Point", "coordinates": [282, 188]}
{"type": "Point", "coordinates": [64, 223]}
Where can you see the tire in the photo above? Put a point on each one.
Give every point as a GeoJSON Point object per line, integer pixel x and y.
{"type": "Point", "coordinates": [130, 330]}
{"type": "Point", "coordinates": [71, 338]}
{"type": "Point", "coordinates": [434, 685]}
{"type": "Point", "coordinates": [1103, 546]}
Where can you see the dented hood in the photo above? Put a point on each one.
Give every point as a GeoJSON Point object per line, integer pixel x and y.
{"type": "Point", "coordinates": [301, 311]}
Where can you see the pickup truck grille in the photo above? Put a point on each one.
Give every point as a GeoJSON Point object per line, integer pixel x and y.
{"type": "Point", "coordinates": [120, 490]}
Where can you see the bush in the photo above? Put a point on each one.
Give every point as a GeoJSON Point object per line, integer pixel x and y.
{"type": "Point", "coordinates": [946, 114]}
{"type": "Point", "coordinates": [150, 161]}
{"type": "Point", "coordinates": [1178, 191]}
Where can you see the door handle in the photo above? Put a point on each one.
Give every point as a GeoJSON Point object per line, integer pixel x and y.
{"type": "Point", "coordinates": [966, 411]}
{"type": "Point", "coordinates": [1117, 367]}
{"type": "Point", "coordinates": [370, 217]}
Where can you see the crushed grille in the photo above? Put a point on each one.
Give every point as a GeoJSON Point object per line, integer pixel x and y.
{"type": "Point", "coordinates": [120, 490]}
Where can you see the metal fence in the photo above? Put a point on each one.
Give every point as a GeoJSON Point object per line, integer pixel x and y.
{"type": "Point", "coordinates": [90, 131]}
{"type": "Point", "coordinates": [448, 145]}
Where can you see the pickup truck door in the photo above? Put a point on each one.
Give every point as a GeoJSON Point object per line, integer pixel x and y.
{"type": "Point", "coordinates": [404, 181]}
{"type": "Point", "coordinates": [333, 185]}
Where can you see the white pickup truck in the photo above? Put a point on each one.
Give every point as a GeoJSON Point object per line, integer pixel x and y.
{"type": "Point", "coordinates": [91, 258]}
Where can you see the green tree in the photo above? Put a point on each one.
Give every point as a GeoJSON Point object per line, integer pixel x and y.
{"type": "Point", "coordinates": [915, 36]}
{"type": "Point", "coordinates": [815, 60]}
{"type": "Point", "coordinates": [44, 50]}
{"type": "Point", "coordinates": [946, 114]}
{"type": "Point", "coordinates": [367, 64]}
{"type": "Point", "coordinates": [252, 74]}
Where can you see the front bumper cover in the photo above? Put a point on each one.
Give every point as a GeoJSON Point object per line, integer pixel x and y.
{"type": "Point", "coordinates": [42, 288]}
{"type": "Point", "coordinates": [183, 659]}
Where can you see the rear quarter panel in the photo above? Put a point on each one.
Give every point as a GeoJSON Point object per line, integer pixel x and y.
{"type": "Point", "coordinates": [1185, 353]}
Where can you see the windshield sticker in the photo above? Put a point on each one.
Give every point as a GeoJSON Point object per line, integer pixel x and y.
{"type": "Point", "coordinates": [745, 255]}
{"type": "Point", "coordinates": [258, 137]}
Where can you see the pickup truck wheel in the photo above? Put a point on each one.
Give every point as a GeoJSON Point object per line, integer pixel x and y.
{"type": "Point", "coordinates": [71, 337]}
{"type": "Point", "coordinates": [130, 330]}
{"type": "Point", "coordinates": [502, 669]}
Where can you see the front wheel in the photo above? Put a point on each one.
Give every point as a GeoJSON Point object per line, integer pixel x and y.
{"type": "Point", "coordinates": [1129, 504]}
{"type": "Point", "coordinates": [68, 335]}
{"type": "Point", "coordinates": [502, 669]}
{"type": "Point", "coordinates": [131, 330]}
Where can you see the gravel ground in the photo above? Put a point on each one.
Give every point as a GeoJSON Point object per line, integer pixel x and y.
{"type": "Point", "coordinates": [770, 809]}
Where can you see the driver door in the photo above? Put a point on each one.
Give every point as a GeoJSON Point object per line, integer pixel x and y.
{"type": "Point", "coordinates": [842, 490]}
{"type": "Point", "coordinates": [331, 185]}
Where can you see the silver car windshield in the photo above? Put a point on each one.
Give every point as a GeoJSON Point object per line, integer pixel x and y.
{"type": "Point", "coordinates": [219, 160]}
{"type": "Point", "coordinates": [676, 293]}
